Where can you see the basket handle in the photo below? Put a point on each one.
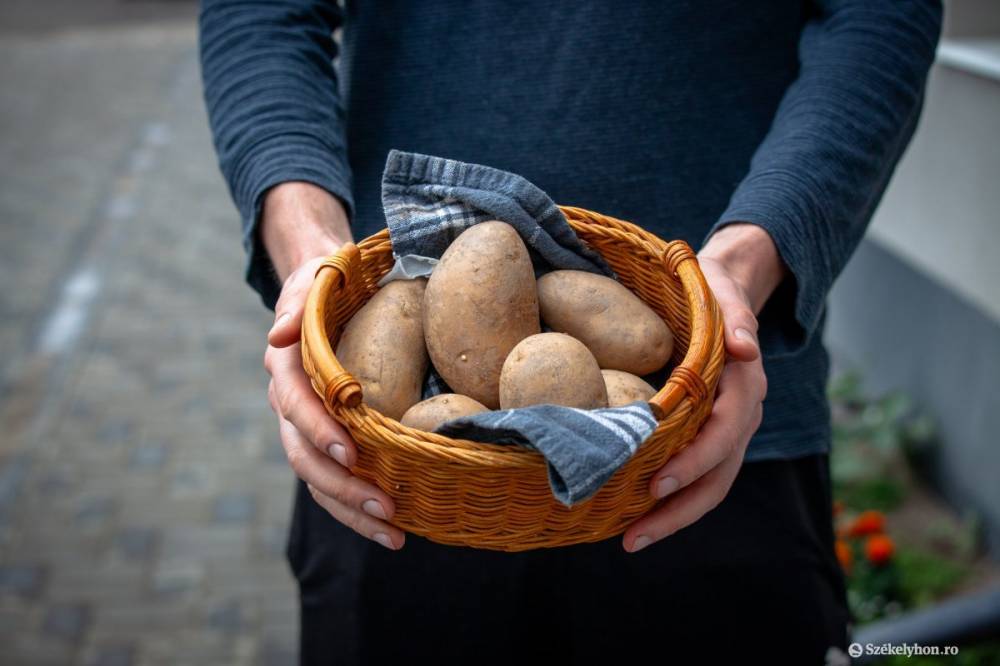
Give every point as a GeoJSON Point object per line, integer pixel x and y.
{"type": "Point", "coordinates": [706, 329]}
{"type": "Point", "coordinates": [336, 384]}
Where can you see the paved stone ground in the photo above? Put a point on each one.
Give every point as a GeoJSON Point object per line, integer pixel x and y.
{"type": "Point", "coordinates": [144, 497]}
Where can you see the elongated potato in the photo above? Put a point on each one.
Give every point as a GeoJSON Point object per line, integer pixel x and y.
{"type": "Point", "coordinates": [551, 369]}
{"type": "Point", "coordinates": [624, 387]}
{"type": "Point", "coordinates": [621, 331]}
{"type": "Point", "coordinates": [480, 302]}
{"type": "Point", "coordinates": [383, 347]}
{"type": "Point", "coordinates": [431, 413]}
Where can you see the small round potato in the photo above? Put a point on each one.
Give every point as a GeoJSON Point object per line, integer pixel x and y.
{"type": "Point", "coordinates": [554, 369]}
{"type": "Point", "coordinates": [624, 388]}
{"type": "Point", "coordinates": [621, 331]}
{"type": "Point", "coordinates": [431, 413]}
{"type": "Point", "coordinates": [383, 347]}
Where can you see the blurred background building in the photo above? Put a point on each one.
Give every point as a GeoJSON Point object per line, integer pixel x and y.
{"type": "Point", "coordinates": [918, 306]}
{"type": "Point", "coordinates": [144, 497]}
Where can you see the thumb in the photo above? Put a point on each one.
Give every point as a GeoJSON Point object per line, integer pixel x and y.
{"type": "Point", "coordinates": [287, 327]}
{"type": "Point", "coordinates": [741, 332]}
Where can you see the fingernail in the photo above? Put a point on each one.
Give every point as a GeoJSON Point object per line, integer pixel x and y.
{"type": "Point", "coordinates": [374, 508]}
{"type": "Point", "coordinates": [338, 453]}
{"type": "Point", "coordinates": [280, 321]}
{"type": "Point", "coordinates": [666, 485]}
{"type": "Point", "coordinates": [640, 542]}
{"type": "Point", "coordinates": [746, 336]}
{"type": "Point", "coordinates": [384, 539]}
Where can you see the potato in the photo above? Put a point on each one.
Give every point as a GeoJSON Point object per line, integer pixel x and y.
{"type": "Point", "coordinates": [621, 331]}
{"type": "Point", "coordinates": [480, 302]}
{"type": "Point", "coordinates": [383, 347]}
{"type": "Point", "coordinates": [432, 412]}
{"type": "Point", "coordinates": [624, 388]}
{"type": "Point", "coordinates": [551, 368]}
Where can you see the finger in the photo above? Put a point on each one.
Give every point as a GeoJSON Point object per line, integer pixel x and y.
{"type": "Point", "coordinates": [297, 401]}
{"type": "Point", "coordinates": [685, 507]}
{"type": "Point", "coordinates": [330, 478]}
{"type": "Point", "coordinates": [287, 326]}
{"type": "Point", "coordinates": [740, 329]}
{"type": "Point", "coordinates": [739, 322]}
{"type": "Point", "coordinates": [381, 532]}
{"type": "Point", "coordinates": [735, 408]}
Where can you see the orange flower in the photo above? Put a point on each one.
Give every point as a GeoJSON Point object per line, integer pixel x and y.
{"type": "Point", "coordinates": [868, 522]}
{"type": "Point", "coordinates": [879, 549]}
{"type": "Point", "coordinates": [838, 507]}
{"type": "Point", "coordinates": [843, 554]}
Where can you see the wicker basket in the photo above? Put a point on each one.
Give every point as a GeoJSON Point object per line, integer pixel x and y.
{"type": "Point", "coordinates": [497, 497]}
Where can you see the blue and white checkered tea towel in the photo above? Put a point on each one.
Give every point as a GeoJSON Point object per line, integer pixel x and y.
{"type": "Point", "coordinates": [428, 202]}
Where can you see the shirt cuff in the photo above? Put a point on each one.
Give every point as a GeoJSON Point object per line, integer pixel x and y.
{"type": "Point", "coordinates": [793, 313]}
{"type": "Point", "coordinates": [290, 160]}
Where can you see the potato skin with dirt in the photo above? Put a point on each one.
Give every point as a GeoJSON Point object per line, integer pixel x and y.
{"type": "Point", "coordinates": [383, 347]}
{"type": "Point", "coordinates": [431, 413]}
{"type": "Point", "coordinates": [624, 388]}
{"type": "Point", "coordinates": [554, 369]}
{"type": "Point", "coordinates": [480, 301]}
{"type": "Point", "coordinates": [621, 331]}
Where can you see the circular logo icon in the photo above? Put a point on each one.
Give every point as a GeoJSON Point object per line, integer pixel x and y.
{"type": "Point", "coordinates": [854, 649]}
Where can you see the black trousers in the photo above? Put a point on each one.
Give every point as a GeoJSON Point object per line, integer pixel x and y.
{"type": "Point", "coordinates": [755, 580]}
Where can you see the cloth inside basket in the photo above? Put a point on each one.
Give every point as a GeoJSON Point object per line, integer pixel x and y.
{"type": "Point", "coordinates": [428, 202]}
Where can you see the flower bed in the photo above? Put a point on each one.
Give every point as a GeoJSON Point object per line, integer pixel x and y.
{"type": "Point", "coordinates": [901, 547]}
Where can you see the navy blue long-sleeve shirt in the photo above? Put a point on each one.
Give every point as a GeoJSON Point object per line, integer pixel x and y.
{"type": "Point", "coordinates": [678, 116]}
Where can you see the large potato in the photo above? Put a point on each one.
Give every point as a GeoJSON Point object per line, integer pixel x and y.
{"type": "Point", "coordinates": [480, 302]}
{"type": "Point", "coordinates": [432, 412]}
{"type": "Point", "coordinates": [624, 388]}
{"type": "Point", "coordinates": [553, 369]}
{"type": "Point", "coordinates": [620, 330]}
{"type": "Point", "coordinates": [383, 347]}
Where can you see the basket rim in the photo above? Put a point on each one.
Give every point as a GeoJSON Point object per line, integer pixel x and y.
{"type": "Point", "coordinates": [342, 394]}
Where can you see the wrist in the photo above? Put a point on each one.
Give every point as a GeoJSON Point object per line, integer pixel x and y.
{"type": "Point", "coordinates": [300, 221]}
{"type": "Point", "coordinates": [749, 255]}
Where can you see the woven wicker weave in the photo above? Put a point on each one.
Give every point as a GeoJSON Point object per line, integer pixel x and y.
{"type": "Point", "coordinates": [497, 497]}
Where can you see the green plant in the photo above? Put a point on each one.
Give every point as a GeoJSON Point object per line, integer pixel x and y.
{"type": "Point", "coordinates": [870, 440]}
{"type": "Point", "coordinates": [924, 576]}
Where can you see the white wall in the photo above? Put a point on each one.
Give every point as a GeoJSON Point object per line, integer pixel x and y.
{"type": "Point", "coordinates": [942, 210]}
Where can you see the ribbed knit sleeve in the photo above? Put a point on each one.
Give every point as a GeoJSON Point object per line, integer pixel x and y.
{"type": "Point", "coordinates": [817, 177]}
{"type": "Point", "coordinates": [273, 105]}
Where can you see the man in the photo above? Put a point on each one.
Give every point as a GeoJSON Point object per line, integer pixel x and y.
{"type": "Point", "coordinates": [761, 133]}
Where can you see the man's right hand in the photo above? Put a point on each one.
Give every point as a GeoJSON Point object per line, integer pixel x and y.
{"type": "Point", "coordinates": [300, 225]}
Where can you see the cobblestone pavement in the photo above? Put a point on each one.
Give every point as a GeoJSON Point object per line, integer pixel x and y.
{"type": "Point", "coordinates": [144, 498]}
